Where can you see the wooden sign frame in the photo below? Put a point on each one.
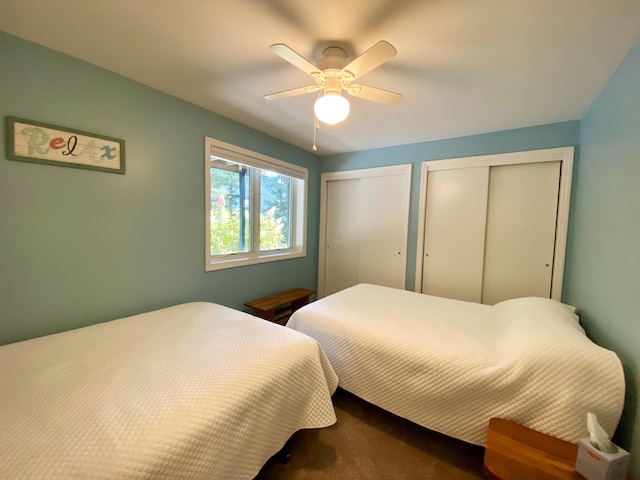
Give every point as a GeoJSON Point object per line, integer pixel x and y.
{"type": "Point", "coordinates": [37, 142]}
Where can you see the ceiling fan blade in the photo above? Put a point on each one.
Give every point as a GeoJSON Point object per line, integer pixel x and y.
{"type": "Point", "coordinates": [293, 92]}
{"type": "Point", "coordinates": [374, 94]}
{"type": "Point", "coordinates": [295, 59]}
{"type": "Point", "coordinates": [376, 55]}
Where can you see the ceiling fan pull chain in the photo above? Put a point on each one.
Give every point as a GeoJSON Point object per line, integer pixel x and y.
{"type": "Point", "coordinates": [316, 126]}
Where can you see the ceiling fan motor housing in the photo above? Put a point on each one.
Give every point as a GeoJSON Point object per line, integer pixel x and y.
{"type": "Point", "coordinates": [333, 58]}
{"type": "Point", "coordinates": [333, 78]}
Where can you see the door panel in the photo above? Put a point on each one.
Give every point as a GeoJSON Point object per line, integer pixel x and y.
{"type": "Point", "coordinates": [454, 233]}
{"type": "Point", "coordinates": [521, 226]}
{"type": "Point", "coordinates": [342, 237]}
{"type": "Point", "coordinates": [382, 239]}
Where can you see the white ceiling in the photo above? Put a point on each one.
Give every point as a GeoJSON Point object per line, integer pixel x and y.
{"type": "Point", "coordinates": [464, 66]}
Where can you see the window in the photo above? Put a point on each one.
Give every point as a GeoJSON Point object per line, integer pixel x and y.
{"type": "Point", "coordinates": [254, 207]}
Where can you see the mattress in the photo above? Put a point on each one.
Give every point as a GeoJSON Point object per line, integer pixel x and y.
{"type": "Point", "coordinates": [451, 365]}
{"type": "Point", "coordinates": [194, 391]}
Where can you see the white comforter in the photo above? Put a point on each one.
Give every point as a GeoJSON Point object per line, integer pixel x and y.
{"type": "Point", "coordinates": [450, 365]}
{"type": "Point", "coordinates": [195, 391]}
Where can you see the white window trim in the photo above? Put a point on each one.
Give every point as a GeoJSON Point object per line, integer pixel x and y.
{"type": "Point", "coordinates": [298, 207]}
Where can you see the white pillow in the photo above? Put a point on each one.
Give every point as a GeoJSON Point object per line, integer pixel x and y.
{"type": "Point", "coordinates": [543, 314]}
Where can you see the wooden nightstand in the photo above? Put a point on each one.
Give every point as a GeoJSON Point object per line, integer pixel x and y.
{"type": "Point", "coordinates": [279, 307]}
{"type": "Point", "coordinates": [514, 452]}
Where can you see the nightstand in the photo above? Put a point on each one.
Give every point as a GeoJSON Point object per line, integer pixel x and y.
{"type": "Point", "coordinates": [515, 452]}
{"type": "Point", "coordinates": [279, 306]}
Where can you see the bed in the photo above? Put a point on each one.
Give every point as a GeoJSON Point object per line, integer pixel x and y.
{"type": "Point", "coordinates": [451, 365]}
{"type": "Point", "coordinates": [194, 391]}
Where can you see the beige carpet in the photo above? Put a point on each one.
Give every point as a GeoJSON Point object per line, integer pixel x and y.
{"type": "Point", "coordinates": [370, 443]}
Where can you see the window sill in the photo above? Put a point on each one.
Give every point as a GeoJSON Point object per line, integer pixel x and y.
{"type": "Point", "coordinates": [244, 260]}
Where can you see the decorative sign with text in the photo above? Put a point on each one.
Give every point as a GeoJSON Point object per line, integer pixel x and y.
{"type": "Point", "coordinates": [37, 142]}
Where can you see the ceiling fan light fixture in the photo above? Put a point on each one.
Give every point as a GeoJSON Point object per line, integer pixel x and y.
{"type": "Point", "coordinates": [331, 108]}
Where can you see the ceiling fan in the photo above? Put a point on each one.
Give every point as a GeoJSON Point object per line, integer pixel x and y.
{"type": "Point", "coordinates": [333, 73]}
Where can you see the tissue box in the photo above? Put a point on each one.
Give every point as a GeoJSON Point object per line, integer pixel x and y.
{"type": "Point", "coordinates": [594, 464]}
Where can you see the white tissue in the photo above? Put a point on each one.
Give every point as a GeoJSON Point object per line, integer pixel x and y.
{"type": "Point", "coordinates": [598, 436]}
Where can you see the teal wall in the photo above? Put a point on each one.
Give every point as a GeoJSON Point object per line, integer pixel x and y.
{"type": "Point", "coordinates": [532, 138]}
{"type": "Point", "coordinates": [80, 246]}
{"type": "Point", "coordinates": [603, 261]}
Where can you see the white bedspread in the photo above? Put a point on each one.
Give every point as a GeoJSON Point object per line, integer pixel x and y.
{"type": "Point", "coordinates": [450, 365]}
{"type": "Point", "coordinates": [195, 391]}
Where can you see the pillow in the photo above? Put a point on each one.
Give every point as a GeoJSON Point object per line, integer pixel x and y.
{"type": "Point", "coordinates": [539, 313]}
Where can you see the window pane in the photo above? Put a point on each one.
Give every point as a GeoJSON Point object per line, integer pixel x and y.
{"type": "Point", "coordinates": [230, 203]}
{"type": "Point", "coordinates": [275, 210]}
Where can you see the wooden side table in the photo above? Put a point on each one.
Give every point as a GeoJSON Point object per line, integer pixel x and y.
{"type": "Point", "coordinates": [279, 307]}
{"type": "Point", "coordinates": [515, 452]}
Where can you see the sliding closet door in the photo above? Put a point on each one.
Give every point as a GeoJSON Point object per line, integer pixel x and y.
{"type": "Point", "coordinates": [521, 228]}
{"type": "Point", "coordinates": [454, 233]}
{"type": "Point", "coordinates": [342, 255]}
{"type": "Point", "coordinates": [383, 224]}
{"type": "Point", "coordinates": [494, 227]}
{"type": "Point", "coordinates": [364, 224]}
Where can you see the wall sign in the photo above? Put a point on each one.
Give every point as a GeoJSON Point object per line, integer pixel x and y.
{"type": "Point", "coordinates": [30, 141]}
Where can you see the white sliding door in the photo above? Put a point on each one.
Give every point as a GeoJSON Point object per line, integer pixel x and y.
{"type": "Point", "coordinates": [454, 233]}
{"type": "Point", "coordinates": [521, 231]}
{"type": "Point", "coordinates": [363, 228]}
{"type": "Point", "coordinates": [382, 223]}
{"type": "Point", "coordinates": [342, 249]}
{"type": "Point", "coordinates": [494, 227]}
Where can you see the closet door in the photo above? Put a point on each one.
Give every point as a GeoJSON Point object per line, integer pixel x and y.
{"type": "Point", "coordinates": [364, 225]}
{"type": "Point", "coordinates": [521, 230]}
{"type": "Point", "coordinates": [342, 255]}
{"type": "Point", "coordinates": [454, 233]}
{"type": "Point", "coordinates": [494, 227]}
{"type": "Point", "coordinates": [382, 231]}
